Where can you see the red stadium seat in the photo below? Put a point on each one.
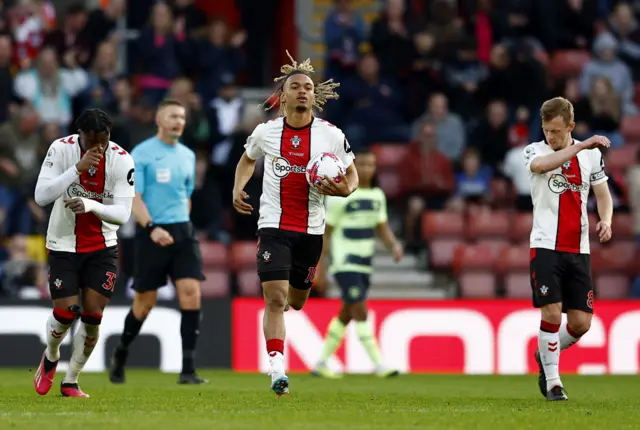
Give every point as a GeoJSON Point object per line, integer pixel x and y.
{"type": "Point", "coordinates": [616, 257]}
{"type": "Point", "coordinates": [612, 287]}
{"type": "Point", "coordinates": [442, 224]}
{"type": "Point", "coordinates": [214, 254]}
{"type": "Point", "coordinates": [389, 156]}
{"type": "Point", "coordinates": [496, 244]}
{"type": "Point", "coordinates": [517, 285]}
{"type": "Point", "coordinates": [621, 158]}
{"type": "Point", "coordinates": [630, 127]}
{"type": "Point", "coordinates": [515, 258]}
{"type": "Point", "coordinates": [216, 284]}
{"type": "Point", "coordinates": [474, 257]}
{"type": "Point", "coordinates": [441, 251]}
{"type": "Point", "coordinates": [622, 226]}
{"type": "Point", "coordinates": [477, 285]}
{"type": "Point", "coordinates": [521, 225]}
{"type": "Point", "coordinates": [488, 224]}
{"type": "Point", "coordinates": [390, 182]}
{"type": "Point", "coordinates": [243, 255]}
{"type": "Point", "coordinates": [249, 283]}
{"type": "Point", "coordinates": [568, 63]}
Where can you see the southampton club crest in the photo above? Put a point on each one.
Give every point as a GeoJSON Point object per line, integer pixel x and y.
{"type": "Point", "coordinates": [566, 165]}
{"type": "Point", "coordinates": [295, 142]}
{"type": "Point", "coordinates": [92, 171]}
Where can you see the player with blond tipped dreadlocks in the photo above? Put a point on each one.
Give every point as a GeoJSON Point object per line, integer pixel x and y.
{"type": "Point", "coordinates": [292, 214]}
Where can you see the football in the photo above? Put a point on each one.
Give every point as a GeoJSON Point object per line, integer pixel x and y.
{"type": "Point", "coordinates": [323, 164]}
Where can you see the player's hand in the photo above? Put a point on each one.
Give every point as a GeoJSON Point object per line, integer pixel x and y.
{"type": "Point", "coordinates": [76, 205]}
{"type": "Point", "coordinates": [239, 197]}
{"type": "Point", "coordinates": [397, 252]}
{"type": "Point", "coordinates": [161, 236]}
{"type": "Point", "coordinates": [595, 142]}
{"type": "Point", "coordinates": [90, 159]}
{"type": "Point", "coordinates": [330, 187]}
{"type": "Point", "coordinates": [604, 231]}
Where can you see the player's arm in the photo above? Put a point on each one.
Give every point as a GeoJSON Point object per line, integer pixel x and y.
{"type": "Point", "coordinates": [53, 181]}
{"type": "Point", "coordinates": [349, 181]}
{"type": "Point", "coordinates": [385, 232]}
{"type": "Point", "coordinates": [123, 191]}
{"type": "Point", "coordinates": [245, 168]}
{"type": "Point", "coordinates": [540, 164]}
{"type": "Point", "coordinates": [604, 201]}
{"type": "Point", "coordinates": [323, 263]}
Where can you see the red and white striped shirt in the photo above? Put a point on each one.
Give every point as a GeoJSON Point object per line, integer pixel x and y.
{"type": "Point", "coordinates": [287, 201]}
{"type": "Point", "coordinates": [560, 220]}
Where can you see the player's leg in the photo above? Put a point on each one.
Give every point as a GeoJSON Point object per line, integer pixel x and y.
{"type": "Point", "coordinates": [151, 271]}
{"type": "Point", "coordinates": [63, 288]}
{"type": "Point", "coordinates": [337, 327]}
{"type": "Point", "coordinates": [274, 266]}
{"type": "Point", "coordinates": [547, 272]}
{"type": "Point", "coordinates": [578, 300]}
{"type": "Point", "coordinates": [307, 249]}
{"type": "Point", "coordinates": [186, 273]}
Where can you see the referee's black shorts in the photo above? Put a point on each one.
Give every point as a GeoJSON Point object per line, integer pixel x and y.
{"type": "Point", "coordinates": [154, 263]}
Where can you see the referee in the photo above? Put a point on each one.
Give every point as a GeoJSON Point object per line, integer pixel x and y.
{"type": "Point", "coordinates": [166, 244]}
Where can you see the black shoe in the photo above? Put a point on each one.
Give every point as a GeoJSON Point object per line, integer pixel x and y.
{"type": "Point", "coordinates": [116, 368]}
{"type": "Point", "coordinates": [557, 393]}
{"type": "Point", "coordinates": [191, 379]}
{"type": "Point", "coordinates": [542, 378]}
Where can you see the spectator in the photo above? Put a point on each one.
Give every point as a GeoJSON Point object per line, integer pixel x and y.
{"type": "Point", "coordinates": [473, 183]}
{"type": "Point", "coordinates": [430, 190]}
{"type": "Point", "coordinates": [197, 131]}
{"type": "Point", "coordinates": [189, 17]}
{"type": "Point", "coordinates": [575, 23]}
{"type": "Point", "coordinates": [606, 63]}
{"type": "Point", "coordinates": [225, 114]}
{"type": "Point", "coordinates": [502, 80]}
{"type": "Point", "coordinates": [6, 78]}
{"type": "Point", "coordinates": [102, 80]}
{"type": "Point", "coordinates": [344, 32]}
{"type": "Point", "coordinates": [103, 23]}
{"type": "Point", "coordinates": [72, 36]}
{"type": "Point", "coordinates": [623, 25]}
{"type": "Point", "coordinates": [30, 20]}
{"type": "Point", "coordinates": [19, 271]}
{"type": "Point", "coordinates": [160, 53]}
{"type": "Point", "coordinates": [447, 29]}
{"type": "Point", "coordinates": [601, 111]}
{"type": "Point", "coordinates": [138, 125]}
{"type": "Point", "coordinates": [220, 58]}
{"type": "Point", "coordinates": [50, 89]}
{"type": "Point", "coordinates": [375, 106]}
{"type": "Point", "coordinates": [491, 138]}
{"type": "Point", "coordinates": [465, 75]}
{"type": "Point", "coordinates": [392, 39]}
{"type": "Point", "coordinates": [515, 169]}
{"type": "Point", "coordinates": [426, 74]}
{"type": "Point", "coordinates": [451, 135]}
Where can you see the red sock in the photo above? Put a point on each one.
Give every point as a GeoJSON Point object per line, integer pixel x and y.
{"type": "Point", "coordinates": [275, 345]}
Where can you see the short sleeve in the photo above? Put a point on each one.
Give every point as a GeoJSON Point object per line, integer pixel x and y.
{"type": "Point", "coordinates": [334, 209]}
{"type": "Point", "coordinates": [343, 150]}
{"type": "Point", "coordinates": [255, 143]}
{"type": "Point", "coordinates": [382, 213]}
{"type": "Point", "coordinates": [598, 175]}
{"type": "Point", "coordinates": [125, 177]}
{"type": "Point", "coordinates": [530, 152]}
{"type": "Point", "coordinates": [140, 166]}
{"type": "Point", "coordinates": [53, 164]}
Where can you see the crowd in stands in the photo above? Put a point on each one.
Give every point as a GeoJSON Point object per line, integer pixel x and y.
{"type": "Point", "coordinates": [446, 92]}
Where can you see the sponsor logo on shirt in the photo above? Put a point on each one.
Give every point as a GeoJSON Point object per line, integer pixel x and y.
{"type": "Point", "coordinates": [282, 167]}
{"type": "Point", "coordinates": [559, 184]}
{"type": "Point", "coordinates": [77, 190]}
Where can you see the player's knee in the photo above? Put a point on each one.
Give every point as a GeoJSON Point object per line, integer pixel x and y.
{"type": "Point", "coordinates": [415, 206]}
{"type": "Point", "coordinates": [359, 311]}
{"type": "Point", "coordinates": [143, 303]}
{"type": "Point", "coordinates": [275, 300]}
{"type": "Point", "coordinates": [552, 313]}
{"type": "Point", "coordinates": [580, 325]}
{"type": "Point", "coordinates": [189, 295]}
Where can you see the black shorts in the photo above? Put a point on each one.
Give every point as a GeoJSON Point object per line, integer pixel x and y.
{"type": "Point", "coordinates": [353, 286]}
{"type": "Point", "coordinates": [288, 256]}
{"type": "Point", "coordinates": [154, 263]}
{"type": "Point", "coordinates": [69, 272]}
{"type": "Point", "coordinates": [561, 277]}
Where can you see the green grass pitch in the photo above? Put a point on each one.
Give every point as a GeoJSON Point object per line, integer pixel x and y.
{"type": "Point", "coordinates": [151, 400]}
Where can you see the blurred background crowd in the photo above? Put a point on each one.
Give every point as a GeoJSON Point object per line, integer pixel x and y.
{"type": "Point", "coordinates": [446, 92]}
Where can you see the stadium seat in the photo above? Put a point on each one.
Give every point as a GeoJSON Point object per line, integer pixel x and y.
{"type": "Point", "coordinates": [441, 251]}
{"type": "Point", "coordinates": [568, 63]}
{"type": "Point", "coordinates": [249, 283]}
{"type": "Point", "coordinates": [514, 259]}
{"type": "Point", "coordinates": [389, 181]}
{"type": "Point", "coordinates": [488, 224]}
{"type": "Point", "coordinates": [214, 254]}
{"type": "Point", "coordinates": [243, 255]}
{"type": "Point", "coordinates": [622, 226]}
{"type": "Point", "coordinates": [388, 155]}
{"type": "Point", "coordinates": [630, 127]}
{"type": "Point", "coordinates": [616, 258]}
{"type": "Point", "coordinates": [621, 158]}
{"type": "Point", "coordinates": [495, 245]}
{"type": "Point", "coordinates": [442, 224]}
{"type": "Point", "coordinates": [520, 228]}
{"type": "Point", "coordinates": [477, 285]}
{"type": "Point", "coordinates": [216, 284]}
{"type": "Point", "coordinates": [473, 258]}
{"type": "Point", "coordinates": [612, 286]}
{"type": "Point", "coordinates": [517, 285]}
